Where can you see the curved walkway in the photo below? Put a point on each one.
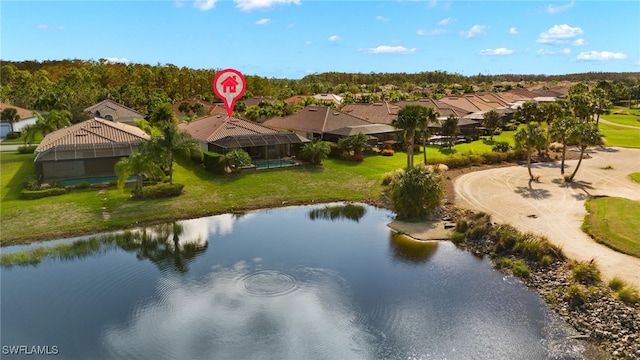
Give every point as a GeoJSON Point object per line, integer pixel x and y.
{"type": "Point", "coordinates": [556, 209]}
{"type": "Point", "coordinates": [620, 125]}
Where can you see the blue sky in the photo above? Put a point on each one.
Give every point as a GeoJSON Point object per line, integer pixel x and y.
{"type": "Point", "coordinates": [293, 38]}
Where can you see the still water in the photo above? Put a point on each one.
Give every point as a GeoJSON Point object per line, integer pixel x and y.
{"type": "Point", "coordinates": [276, 284]}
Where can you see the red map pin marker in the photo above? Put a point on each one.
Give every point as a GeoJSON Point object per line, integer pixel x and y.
{"type": "Point", "coordinates": [229, 85]}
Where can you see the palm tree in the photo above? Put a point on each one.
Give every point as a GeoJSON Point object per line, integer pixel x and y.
{"type": "Point", "coordinates": [450, 129]}
{"type": "Point", "coordinates": [600, 102]}
{"type": "Point", "coordinates": [549, 112]}
{"type": "Point", "coordinates": [176, 142]}
{"type": "Point", "coordinates": [52, 121]}
{"type": "Point", "coordinates": [140, 163]}
{"type": "Point", "coordinates": [236, 159]}
{"type": "Point", "coordinates": [530, 137]}
{"type": "Point", "coordinates": [560, 131]}
{"type": "Point", "coordinates": [409, 119]}
{"type": "Point", "coordinates": [10, 115]}
{"type": "Point", "coordinates": [315, 152]}
{"type": "Point", "coordinates": [585, 135]}
{"type": "Point", "coordinates": [491, 122]}
{"type": "Point", "coordinates": [430, 117]}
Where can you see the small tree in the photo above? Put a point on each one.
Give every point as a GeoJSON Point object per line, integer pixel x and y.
{"type": "Point", "coordinates": [415, 192]}
{"type": "Point", "coordinates": [354, 146]}
{"type": "Point", "coordinates": [235, 160]}
{"type": "Point", "coordinates": [139, 164]}
{"type": "Point", "coordinates": [560, 131]}
{"type": "Point", "coordinates": [585, 135]}
{"type": "Point", "coordinates": [10, 115]}
{"type": "Point", "coordinates": [530, 137]}
{"type": "Point", "coordinates": [316, 152]}
{"type": "Point", "coordinates": [491, 122]}
{"type": "Point", "coordinates": [450, 129]}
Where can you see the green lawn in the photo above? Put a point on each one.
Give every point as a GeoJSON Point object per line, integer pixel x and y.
{"type": "Point", "coordinates": [81, 211]}
{"type": "Point", "coordinates": [620, 136]}
{"type": "Point", "coordinates": [635, 177]}
{"type": "Point", "coordinates": [632, 119]}
{"type": "Point", "coordinates": [20, 140]}
{"type": "Point", "coordinates": [614, 222]}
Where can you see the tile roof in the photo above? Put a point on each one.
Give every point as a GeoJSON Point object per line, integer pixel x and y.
{"type": "Point", "coordinates": [256, 100]}
{"type": "Point", "coordinates": [216, 127]}
{"type": "Point", "coordinates": [460, 102]}
{"type": "Point", "coordinates": [119, 112]}
{"type": "Point", "coordinates": [378, 113]}
{"type": "Point", "coordinates": [91, 132]}
{"type": "Point", "coordinates": [316, 119]}
{"type": "Point", "coordinates": [329, 97]}
{"type": "Point", "coordinates": [22, 112]}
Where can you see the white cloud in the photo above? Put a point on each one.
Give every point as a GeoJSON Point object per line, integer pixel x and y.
{"type": "Point", "coordinates": [422, 32]}
{"type": "Point", "coordinates": [113, 60]}
{"type": "Point", "coordinates": [498, 51]}
{"type": "Point", "coordinates": [474, 31]}
{"type": "Point", "coordinates": [264, 21]}
{"type": "Point", "coordinates": [43, 26]}
{"type": "Point", "coordinates": [248, 5]}
{"type": "Point", "coordinates": [383, 19]}
{"type": "Point", "coordinates": [432, 3]}
{"type": "Point", "coordinates": [559, 34]}
{"type": "Point", "coordinates": [445, 21]}
{"type": "Point", "coordinates": [308, 43]}
{"type": "Point", "coordinates": [204, 4]}
{"type": "Point", "coordinates": [580, 42]}
{"type": "Point", "coordinates": [557, 9]}
{"type": "Point", "coordinates": [47, 27]}
{"type": "Point", "coordinates": [601, 55]}
{"type": "Point", "coordinates": [513, 30]}
{"type": "Point", "coordinates": [565, 51]}
{"type": "Point", "coordinates": [335, 38]}
{"type": "Point", "coordinates": [385, 49]}
{"type": "Point", "coordinates": [179, 4]}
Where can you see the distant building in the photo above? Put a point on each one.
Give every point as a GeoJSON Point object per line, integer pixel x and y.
{"type": "Point", "coordinates": [112, 111]}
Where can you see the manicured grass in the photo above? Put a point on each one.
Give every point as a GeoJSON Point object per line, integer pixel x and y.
{"type": "Point", "coordinates": [632, 119]}
{"type": "Point", "coordinates": [20, 140]}
{"type": "Point", "coordinates": [614, 222]}
{"type": "Point", "coordinates": [635, 177]}
{"type": "Point", "coordinates": [620, 136]}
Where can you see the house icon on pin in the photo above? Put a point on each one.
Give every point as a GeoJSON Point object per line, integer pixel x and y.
{"type": "Point", "coordinates": [229, 84]}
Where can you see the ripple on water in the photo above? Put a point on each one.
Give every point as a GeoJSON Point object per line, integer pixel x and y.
{"type": "Point", "coordinates": [269, 283]}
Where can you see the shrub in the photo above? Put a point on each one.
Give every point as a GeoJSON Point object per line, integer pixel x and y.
{"type": "Point", "coordinates": [616, 284]}
{"type": "Point", "coordinates": [32, 185]}
{"type": "Point", "coordinates": [27, 149]}
{"type": "Point", "coordinates": [38, 194]}
{"type": "Point", "coordinates": [212, 162]}
{"type": "Point", "coordinates": [13, 135]}
{"type": "Point", "coordinates": [477, 232]}
{"type": "Point", "coordinates": [576, 295]}
{"type": "Point", "coordinates": [546, 260]}
{"type": "Point", "coordinates": [415, 192]}
{"type": "Point", "coordinates": [462, 226]}
{"type": "Point", "coordinates": [501, 146]}
{"type": "Point", "coordinates": [629, 295]}
{"type": "Point", "coordinates": [585, 273]}
{"type": "Point", "coordinates": [494, 157]}
{"type": "Point", "coordinates": [161, 190]}
{"type": "Point", "coordinates": [457, 237]}
{"type": "Point", "coordinates": [520, 269]}
{"type": "Point", "coordinates": [387, 152]}
{"type": "Point", "coordinates": [82, 185]}
{"type": "Point", "coordinates": [506, 237]}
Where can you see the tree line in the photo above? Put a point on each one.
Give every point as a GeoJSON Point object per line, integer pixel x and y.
{"type": "Point", "coordinates": [72, 85]}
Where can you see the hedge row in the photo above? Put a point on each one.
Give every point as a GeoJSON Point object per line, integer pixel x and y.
{"type": "Point", "coordinates": [27, 149]}
{"type": "Point", "coordinates": [457, 161]}
{"type": "Point", "coordinates": [161, 190]}
{"type": "Point", "coordinates": [211, 161]}
{"type": "Point", "coordinates": [38, 194]}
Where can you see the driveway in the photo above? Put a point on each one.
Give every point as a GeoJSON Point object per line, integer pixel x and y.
{"type": "Point", "coordinates": [555, 209]}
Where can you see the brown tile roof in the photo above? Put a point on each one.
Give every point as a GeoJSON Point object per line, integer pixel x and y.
{"type": "Point", "coordinates": [547, 93]}
{"type": "Point", "coordinates": [444, 109]}
{"type": "Point", "coordinates": [119, 112]}
{"type": "Point", "coordinates": [377, 113]}
{"type": "Point", "coordinates": [93, 131]}
{"type": "Point", "coordinates": [255, 100]}
{"type": "Point", "coordinates": [22, 112]}
{"type": "Point", "coordinates": [460, 102]}
{"type": "Point", "coordinates": [316, 119]}
{"type": "Point", "coordinates": [215, 127]}
{"type": "Point", "coordinates": [295, 99]}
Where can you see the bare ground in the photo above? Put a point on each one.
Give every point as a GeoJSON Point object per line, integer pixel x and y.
{"type": "Point", "coordinates": [551, 207]}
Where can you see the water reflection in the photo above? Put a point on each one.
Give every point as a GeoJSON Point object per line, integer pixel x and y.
{"type": "Point", "coordinates": [411, 251]}
{"type": "Point", "coordinates": [297, 313]}
{"type": "Point", "coordinates": [352, 212]}
{"type": "Point", "coordinates": [161, 244]}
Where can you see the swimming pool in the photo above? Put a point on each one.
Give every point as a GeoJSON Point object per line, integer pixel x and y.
{"type": "Point", "coordinates": [95, 180]}
{"type": "Point", "coordinates": [269, 164]}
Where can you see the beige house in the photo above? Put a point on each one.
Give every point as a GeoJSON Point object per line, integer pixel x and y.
{"type": "Point", "coordinates": [85, 150]}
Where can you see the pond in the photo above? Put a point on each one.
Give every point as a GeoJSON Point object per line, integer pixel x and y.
{"type": "Point", "coordinates": [287, 283]}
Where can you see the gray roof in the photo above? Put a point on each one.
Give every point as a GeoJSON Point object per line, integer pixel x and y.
{"type": "Point", "coordinates": [363, 129]}
{"type": "Point", "coordinates": [240, 141]}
